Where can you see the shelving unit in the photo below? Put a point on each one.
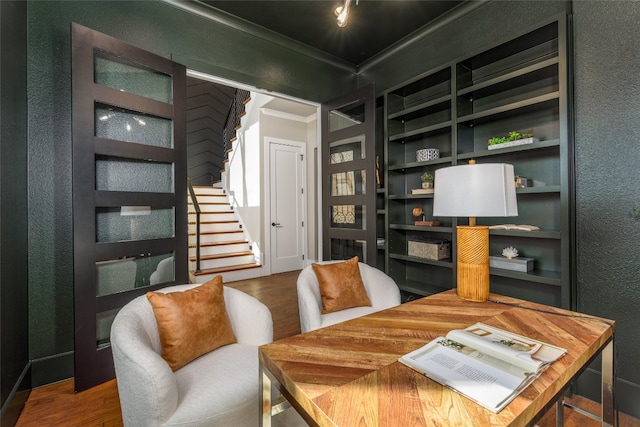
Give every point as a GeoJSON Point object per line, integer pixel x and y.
{"type": "Point", "coordinates": [519, 85]}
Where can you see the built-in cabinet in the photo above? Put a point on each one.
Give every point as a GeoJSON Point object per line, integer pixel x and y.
{"type": "Point", "coordinates": [522, 85]}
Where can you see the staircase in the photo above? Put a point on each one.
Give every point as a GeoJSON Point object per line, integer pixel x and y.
{"type": "Point", "coordinates": [224, 249]}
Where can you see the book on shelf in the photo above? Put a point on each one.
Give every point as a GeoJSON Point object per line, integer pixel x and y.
{"type": "Point", "coordinates": [427, 223]}
{"type": "Point", "coordinates": [519, 227]}
{"type": "Point", "coordinates": [422, 191]}
{"type": "Point", "coordinates": [487, 365]}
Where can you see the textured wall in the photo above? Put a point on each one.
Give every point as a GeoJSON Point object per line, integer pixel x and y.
{"type": "Point", "coordinates": [196, 42]}
{"type": "Point", "coordinates": [607, 110]}
{"type": "Point", "coordinates": [14, 327]}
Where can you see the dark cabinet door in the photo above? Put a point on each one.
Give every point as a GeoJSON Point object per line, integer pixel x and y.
{"type": "Point", "coordinates": [129, 187]}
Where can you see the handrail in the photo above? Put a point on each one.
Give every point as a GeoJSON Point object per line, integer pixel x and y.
{"type": "Point", "coordinates": [232, 121]}
{"type": "Point", "coordinates": [196, 206]}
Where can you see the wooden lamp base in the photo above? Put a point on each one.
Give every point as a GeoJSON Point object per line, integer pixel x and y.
{"type": "Point", "coordinates": [473, 263]}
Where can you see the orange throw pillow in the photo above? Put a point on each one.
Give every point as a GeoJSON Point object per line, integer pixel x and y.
{"type": "Point", "coordinates": [341, 285]}
{"type": "Point", "coordinates": [191, 323]}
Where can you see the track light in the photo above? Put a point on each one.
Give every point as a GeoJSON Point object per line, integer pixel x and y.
{"type": "Point", "coordinates": [342, 12]}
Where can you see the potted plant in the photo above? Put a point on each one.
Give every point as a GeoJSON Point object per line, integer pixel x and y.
{"type": "Point", "coordinates": [514, 138]}
{"type": "Point", "coordinates": [427, 180]}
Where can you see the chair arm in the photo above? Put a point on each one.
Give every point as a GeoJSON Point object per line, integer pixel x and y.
{"type": "Point", "coordinates": [149, 395]}
{"type": "Point", "coordinates": [382, 289]}
{"type": "Point", "coordinates": [250, 319]}
{"type": "Point", "coordinates": [309, 300]}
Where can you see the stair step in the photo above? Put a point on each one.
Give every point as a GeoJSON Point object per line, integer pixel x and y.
{"type": "Point", "coordinates": [216, 248]}
{"type": "Point", "coordinates": [209, 198]}
{"type": "Point", "coordinates": [227, 260]}
{"type": "Point", "coordinates": [214, 226]}
{"type": "Point", "coordinates": [212, 216]}
{"type": "Point", "coordinates": [214, 222]}
{"type": "Point", "coordinates": [203, 233]}
{"type": "Point", "coordinates": [206, 190]}
{"type": "Point", "coordinates": [211, 208]}
{"type": "Point", "coordinates": [224, 255]}
{"type": "Point", "coordinates": [224, 269]}
{"type": "Point", "coordinates": [216, 236]}
{"type": "Point", "coordinates": [212, 202]}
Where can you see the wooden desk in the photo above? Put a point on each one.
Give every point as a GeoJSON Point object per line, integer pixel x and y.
{"type": "Point", "coordinates": [348, 374]}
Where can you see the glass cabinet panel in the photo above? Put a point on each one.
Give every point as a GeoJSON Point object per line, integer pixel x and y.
{"type": "Point", "coordinates": [347, 150]}
{"type": "Point", "coordinates": [347, 116]}
{"type": "Point", "coordinates": [347, 248]}
{"type": "Point", "coordinates": [127, 76]}
{"type": "Point", "coordinates": [117, 174]}
{"type": "Point", "coordinates": [114, 276]}
{"type": "Point", "coordinates": [127, 223]}
{"type": "Point", "coordinates": [347, 216]}
{"type": "Point", "coordinates": [131, 126]}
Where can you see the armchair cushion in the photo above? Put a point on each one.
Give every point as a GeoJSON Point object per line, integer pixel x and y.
{"type": "Point", "coordinates": [341, 285]}
{"type": "Point", "coordinates": [191, 323]}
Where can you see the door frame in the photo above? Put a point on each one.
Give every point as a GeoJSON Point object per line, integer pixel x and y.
{"type": "Point", "coordinates": [268, 141]}
{"type": "Point", "coordinates": [316, 204]}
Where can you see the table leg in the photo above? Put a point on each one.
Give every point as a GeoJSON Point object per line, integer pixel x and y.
{"type": "Point", "coordinates": [608, 374]}
{"type": "Point", "coordinates": [560, 412]}
{"type": "Point", "coordinates": [265, 386]}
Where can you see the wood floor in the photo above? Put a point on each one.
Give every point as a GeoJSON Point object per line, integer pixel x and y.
{"type": "Point", "coordinates": [58, 405]}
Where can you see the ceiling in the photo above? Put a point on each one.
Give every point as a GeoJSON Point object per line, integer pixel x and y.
{"type": "Point", "coordinates": [373, 25]}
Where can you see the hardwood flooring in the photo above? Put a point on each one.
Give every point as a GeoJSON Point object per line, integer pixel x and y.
{"type": "Point", "coordinates": [58, 405]}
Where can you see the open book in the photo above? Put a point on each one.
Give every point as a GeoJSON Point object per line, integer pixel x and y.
{"type": "Point", "coordinates": [488, 365]}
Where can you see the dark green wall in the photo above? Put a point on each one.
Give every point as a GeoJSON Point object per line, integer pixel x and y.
{"type": "Point", "coordinates": [607, 105]}
{"type": "Point", "coordinates": [194, 41]}
{"type": "Point", "coordinates": [607, 146]}
{"type": "Point", "coordinates": [15, 381]}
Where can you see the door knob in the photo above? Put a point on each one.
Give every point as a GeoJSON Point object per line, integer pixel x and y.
{"type": "Point", "coordinates": [275, 224]}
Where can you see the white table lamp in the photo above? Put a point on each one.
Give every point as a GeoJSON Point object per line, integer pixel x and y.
{"type": "Point", "coordinates": [474, 190]}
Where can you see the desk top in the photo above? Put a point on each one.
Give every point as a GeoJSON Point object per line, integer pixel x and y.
{"type": "Point", "coordinates": [348, 374]}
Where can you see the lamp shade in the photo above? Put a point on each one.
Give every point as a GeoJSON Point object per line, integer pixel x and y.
{"type": "Point", "coordinates": [475, 190]}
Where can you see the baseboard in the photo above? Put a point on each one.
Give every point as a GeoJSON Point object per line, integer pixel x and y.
{"type": "Point", "coordinates": [16, 400]}
{"type": "Point", "coordinates": [626, 393]}
{"type": "Point", "coordinates": [49, 370]}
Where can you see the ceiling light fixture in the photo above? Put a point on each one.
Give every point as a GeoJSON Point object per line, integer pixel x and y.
{"type": "Point", "coordinates": [342, 12]}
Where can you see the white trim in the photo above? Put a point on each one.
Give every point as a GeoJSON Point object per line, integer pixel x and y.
{"type": "Point", "coordinates": [231, 83]}
{"type": "Point", "coordinates": [288, 116]}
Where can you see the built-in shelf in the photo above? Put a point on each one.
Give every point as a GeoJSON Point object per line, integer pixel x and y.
{"type": "Point", "coordinates": [520, 85]}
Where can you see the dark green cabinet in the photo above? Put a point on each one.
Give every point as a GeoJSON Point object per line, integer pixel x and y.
{"type": "Point", "coordinates": [522, 85]}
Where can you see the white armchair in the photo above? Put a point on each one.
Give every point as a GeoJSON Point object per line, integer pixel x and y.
{"type": "Point", "coordinates": [220, 388]}
{"type": "Point", "coordinates": [381, 290]}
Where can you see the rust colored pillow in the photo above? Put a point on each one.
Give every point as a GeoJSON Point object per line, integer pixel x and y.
{"type": "Point", "coordinates": [191, 323]}
{"type": "Point", "coordinates": [341, 285]}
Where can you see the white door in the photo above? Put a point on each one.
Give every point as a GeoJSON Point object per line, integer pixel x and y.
{"type": "Point", "coordinates": [286, 172]}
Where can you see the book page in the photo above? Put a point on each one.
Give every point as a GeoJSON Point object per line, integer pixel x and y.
{"type": "Point", "coordinates": [514, 351]}
{"type": "Point", "coordinates": [488, 381]}
{"type": "Point", "coordinates": [524, 352]}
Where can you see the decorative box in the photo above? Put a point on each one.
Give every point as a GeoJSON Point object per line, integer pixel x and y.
{"type": "Point", "coordinates": [516, 264]}
{"type": "Point", "coordinates": [522, 182]}
{"type": "Point", "coordinates": [432, 249]}
{"type": "Point", "coordinates": [426, 154]}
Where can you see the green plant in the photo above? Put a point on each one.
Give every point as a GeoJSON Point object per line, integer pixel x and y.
{"type": "Point", "coordinates": [513, 136]}
{"type": "Point", "coordinates": [426, 177]}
